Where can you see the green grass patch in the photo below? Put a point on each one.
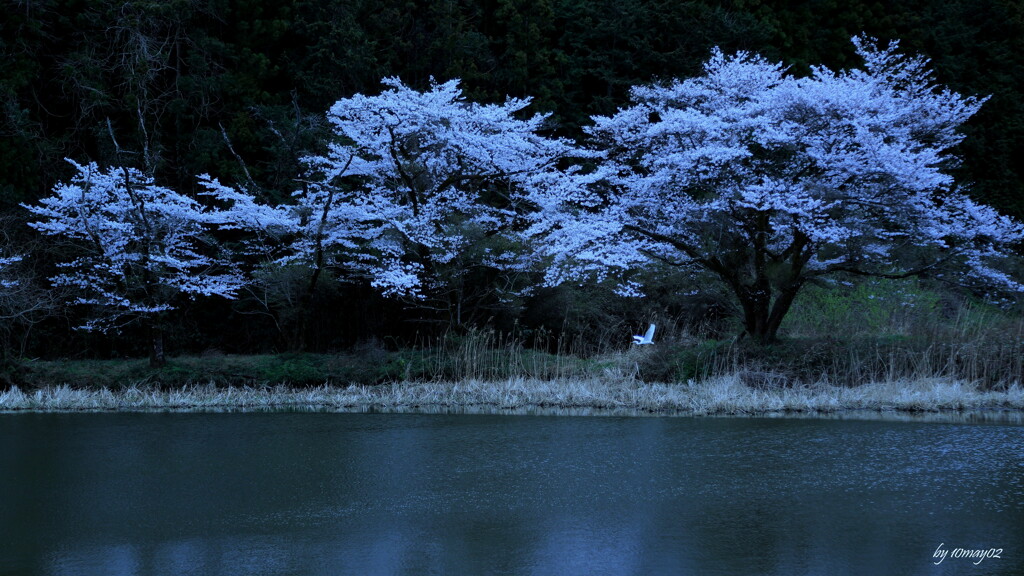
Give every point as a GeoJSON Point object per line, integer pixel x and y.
{"type": "Point", "coordinates": [472, 358]}
{"type": "Point", "coordinates": [221, 370]}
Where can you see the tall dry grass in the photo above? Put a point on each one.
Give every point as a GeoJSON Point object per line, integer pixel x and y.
{"type": "Point", "coordinates": [715, 396]}
{"type": "Point", "coordinates": [487, 354]}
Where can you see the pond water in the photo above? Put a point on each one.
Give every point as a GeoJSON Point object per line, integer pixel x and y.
{"type": "Point", "coordinates": [367, 494]}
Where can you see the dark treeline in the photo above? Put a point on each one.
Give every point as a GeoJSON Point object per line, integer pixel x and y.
{"type": "Point", "coordinates": [238, 89]}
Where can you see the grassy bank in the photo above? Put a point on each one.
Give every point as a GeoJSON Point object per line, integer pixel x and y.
{"type": "Point", "coordinates": [716, 396]}
{"type": "Point", "coordinates": [879, 345]}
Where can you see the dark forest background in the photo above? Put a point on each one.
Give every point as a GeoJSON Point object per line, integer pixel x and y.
{"type": "Point", "coordinates": [238, 89]}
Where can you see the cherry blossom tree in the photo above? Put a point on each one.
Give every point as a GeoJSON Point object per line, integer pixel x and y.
{"type": "Point", "coordinates": [417, 188]}
{"type": "Point", "coordinates": [769, 180]}
{"type": "Point", "coordinates": [137, 248]}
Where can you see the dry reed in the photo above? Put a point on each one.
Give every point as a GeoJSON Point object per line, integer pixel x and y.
{"type": "Point", "coordinates": [714, 396]}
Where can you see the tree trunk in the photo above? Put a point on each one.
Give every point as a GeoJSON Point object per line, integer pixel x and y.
{"type": "Point", "coordinates": [756, 303]}
{"type": "Point", "coordinates": [755, 321]}
{"type": "Point", "coordinates": [156, 351]}
{"type": "Point", "coordinates": [765, 303]}
{"type": "Point", "coordinates": [763, 317]}
{"type": "Point", "coordinates": [783, 302]}
{"type": "Point", "coordinates": [300, 340]}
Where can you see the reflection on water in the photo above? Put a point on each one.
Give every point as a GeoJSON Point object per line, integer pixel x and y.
{"type": "Point", "coordinates": [292, 493]}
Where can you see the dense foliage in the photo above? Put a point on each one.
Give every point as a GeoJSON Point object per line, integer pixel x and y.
{"type": "Point", "coordinates": [239, 90]}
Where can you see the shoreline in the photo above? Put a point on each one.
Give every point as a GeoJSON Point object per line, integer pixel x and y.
{"type": "Point", "coordinates": [723, 396]}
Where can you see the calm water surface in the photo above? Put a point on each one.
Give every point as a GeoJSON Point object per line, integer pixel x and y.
{"type": "Point", "coordinates": [367, 494]}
